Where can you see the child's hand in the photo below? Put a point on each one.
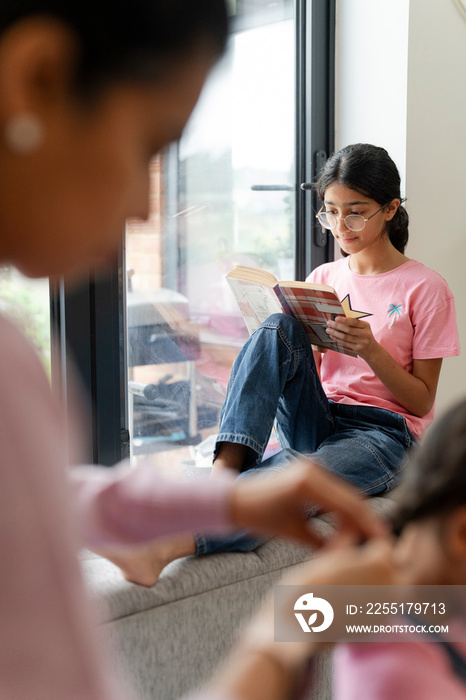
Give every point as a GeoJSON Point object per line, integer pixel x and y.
{"type": "Point", "coordinates": [354, 334]}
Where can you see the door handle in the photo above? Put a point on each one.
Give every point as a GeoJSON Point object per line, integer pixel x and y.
{"type": "Point", "coordinates": [320, 158]}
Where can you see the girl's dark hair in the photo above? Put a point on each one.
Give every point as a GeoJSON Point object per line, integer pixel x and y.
{"type": "Point", "coordinates": [369, 170]}
{"type": "Point", "coordinates": [434, 480]}
{"type": "Point", "coordinates": [136, 40]}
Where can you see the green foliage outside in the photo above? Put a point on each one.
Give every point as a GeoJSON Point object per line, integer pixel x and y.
{"type": "Point", "coordinates": [22, 305]}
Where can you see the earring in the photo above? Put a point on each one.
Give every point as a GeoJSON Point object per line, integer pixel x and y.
{"type": "Point", "coordinates": [24, 133]}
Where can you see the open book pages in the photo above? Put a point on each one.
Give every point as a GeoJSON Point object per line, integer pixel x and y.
{"type": "Point", "coordinates": [256, 301]}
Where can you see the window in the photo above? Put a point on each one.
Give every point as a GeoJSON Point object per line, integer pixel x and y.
{"type": "Point", "coordinates": [223, 195]}
{"type": "Point", "coordinates": [27, 302]}
{"type": "Point", "coordinates": [155, 342]}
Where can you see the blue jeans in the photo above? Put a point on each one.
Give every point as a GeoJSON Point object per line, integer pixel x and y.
{"type": "Point", "coordinates": [274, 381]}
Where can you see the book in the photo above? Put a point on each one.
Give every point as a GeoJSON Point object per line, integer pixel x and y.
{"type": "Point", "coordinates": [259, 295]}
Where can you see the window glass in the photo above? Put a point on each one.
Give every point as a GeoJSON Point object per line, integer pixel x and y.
{"type": "Point", "coordinates": [224, 195]}
{"type": "Point", "coordinates": [28, 303]}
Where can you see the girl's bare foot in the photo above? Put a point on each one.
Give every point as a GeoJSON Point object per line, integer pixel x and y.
{"type": "Point", "coordinates": [143, 565]}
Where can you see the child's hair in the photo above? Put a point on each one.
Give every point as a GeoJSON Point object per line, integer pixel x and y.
{"type": "Point", "coordinates": [434, 481]}
{"type": "Point", "coordinates": [369, 170]}
{"type": "Point", "coordinates": [137, 40]}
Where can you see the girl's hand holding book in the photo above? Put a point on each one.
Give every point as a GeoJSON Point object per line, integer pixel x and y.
{"type": "Point", "coordinates": [353, 333]}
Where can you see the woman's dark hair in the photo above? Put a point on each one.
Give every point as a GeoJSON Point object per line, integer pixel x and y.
{"type": "Point", "coordinates": [434, 481]}
{"type": "Point", "coordinates": [369, 170]}
{"type": "Point", "coordinates": [136, 40]}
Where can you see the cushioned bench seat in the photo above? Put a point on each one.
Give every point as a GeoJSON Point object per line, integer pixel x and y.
{"type": "Point", "coordinates": [168, 639]}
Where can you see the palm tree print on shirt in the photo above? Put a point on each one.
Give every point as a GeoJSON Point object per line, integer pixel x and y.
{"type": "Point", "coordinates": [394, 312]}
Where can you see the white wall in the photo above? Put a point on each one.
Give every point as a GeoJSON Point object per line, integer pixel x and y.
{"type": "Point", "coordinates": [401, 69]}
{"type": "Point", "coordinates": [436, 158]}
{"type": "Point", "coordinates": [371, 75]}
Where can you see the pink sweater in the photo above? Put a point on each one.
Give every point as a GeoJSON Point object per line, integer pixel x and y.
{"type": "Point", "coordinates": [48, 644]}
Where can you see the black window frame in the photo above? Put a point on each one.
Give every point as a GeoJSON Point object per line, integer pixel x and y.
{"type": "Point", "coordinates": [88, 322]}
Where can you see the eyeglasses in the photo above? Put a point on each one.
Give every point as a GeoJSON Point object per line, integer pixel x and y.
{"type": "Point", "coordinates": [353, 222]}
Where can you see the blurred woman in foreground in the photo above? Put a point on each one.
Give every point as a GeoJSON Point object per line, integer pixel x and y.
{"type": "Point", "coordinates": [88, 94]}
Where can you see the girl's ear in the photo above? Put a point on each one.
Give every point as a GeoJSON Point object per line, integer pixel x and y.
{"type": "Point", "coordinates": [455, 535]}
{"type": "Point", "coordinates": [391, 209]}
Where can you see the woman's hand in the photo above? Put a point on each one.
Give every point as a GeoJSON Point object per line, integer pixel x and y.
{"type": "Point", "coordinates": [278, 503]}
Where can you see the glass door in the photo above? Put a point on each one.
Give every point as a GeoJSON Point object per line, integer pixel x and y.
{"type": "Point", "coordinates": [154, 342]}
{"type": "Point", "coordinates": [224, 195]}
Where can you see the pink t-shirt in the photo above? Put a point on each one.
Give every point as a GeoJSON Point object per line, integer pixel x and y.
{"type": "Point", "coordinates": [396, 671]}
{"type": "Point", "coordinates": [383, 671]}
{"type": "Point", "coordinates": [412, 315]}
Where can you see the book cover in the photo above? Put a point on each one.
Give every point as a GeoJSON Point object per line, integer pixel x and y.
{"type": "Point", "coordinates": [259, 295]}
{"type": "Point", "coordinates": [313, 307]}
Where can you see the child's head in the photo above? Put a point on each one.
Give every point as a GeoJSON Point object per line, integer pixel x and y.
{"type": "Point", "coordinates": [89, 93]}
{"type": "Point", "coordinates": [369, 170]}
{"type": "Point", "coordinates": [431, 503]}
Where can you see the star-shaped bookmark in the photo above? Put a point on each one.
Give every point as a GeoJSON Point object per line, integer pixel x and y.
{"type": "Point", "coordinates": [349, 312]}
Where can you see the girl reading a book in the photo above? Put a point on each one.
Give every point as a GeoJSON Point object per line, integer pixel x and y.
{"type": "Point", "coordinates": [357, 416]}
